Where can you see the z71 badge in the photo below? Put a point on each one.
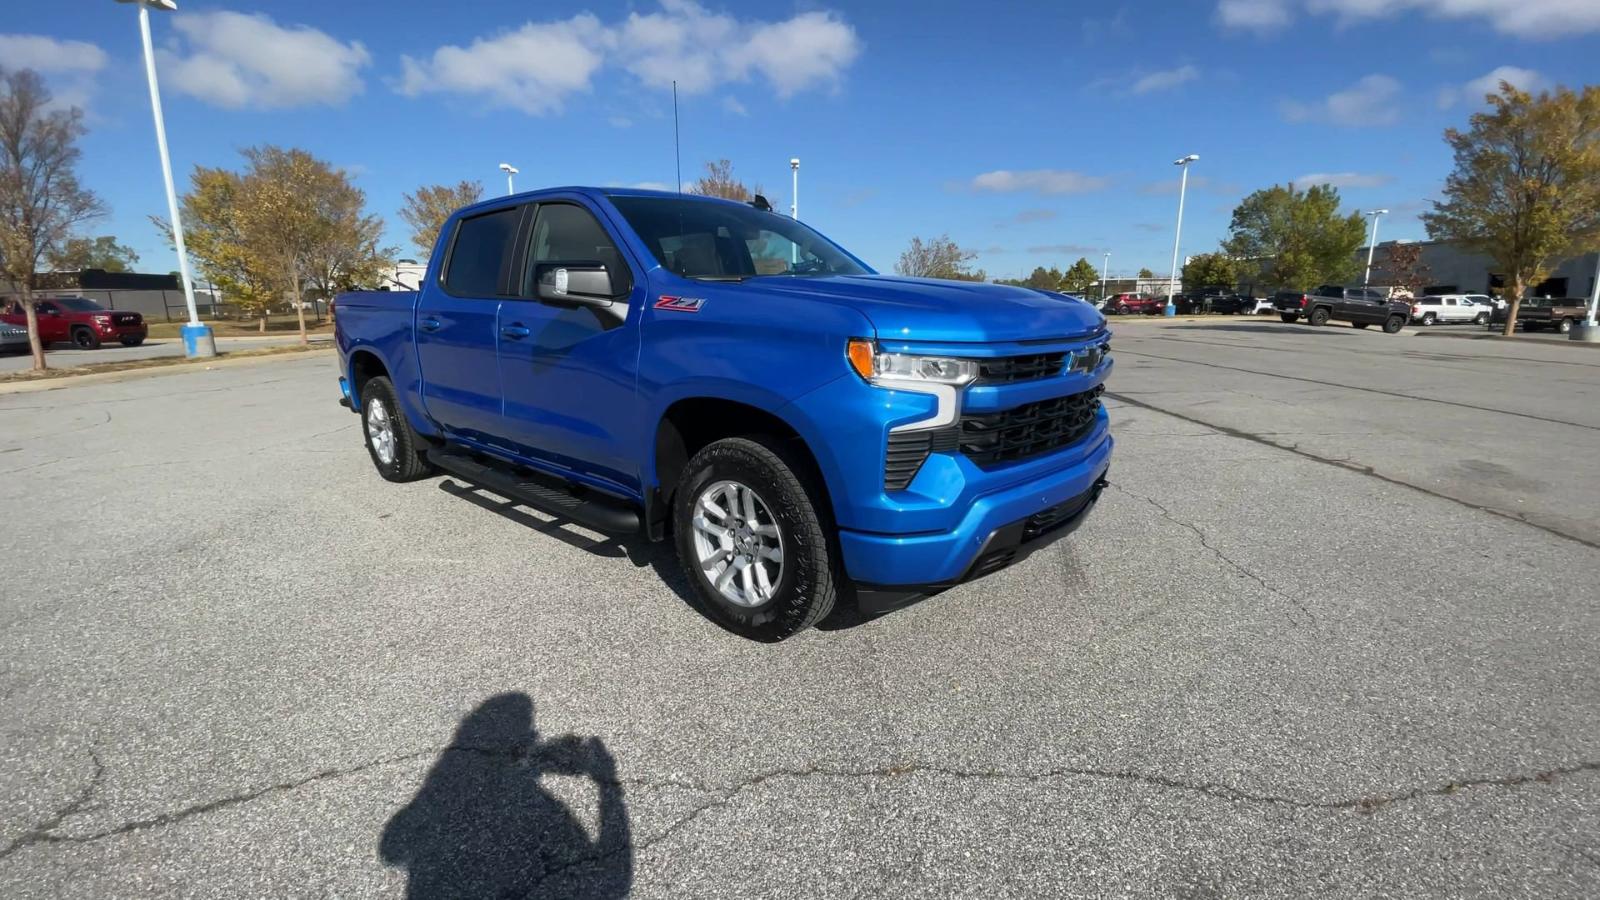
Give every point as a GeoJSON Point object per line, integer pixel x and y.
{"type": "Point", "coordinates": [680, 304]}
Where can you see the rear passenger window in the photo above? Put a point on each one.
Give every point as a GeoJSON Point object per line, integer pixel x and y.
{"type": "Point", "coordinates": [481, 256]}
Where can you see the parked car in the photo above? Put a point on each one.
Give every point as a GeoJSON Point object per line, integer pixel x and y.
{"type": "Point", "coordinates": [13, 338]}
{"type": "Point", "coordinates": [1446, 308]}
{"type": "Point", "coordinates": [80, 321]}
{"type": "Point", "coordinates": [1262, 305]}
{"type": "Point", "coordinates": [1230, 304]}
{"type": "Point", "coordinates": [1537, 313]}
{"type": "Point", "coordinates": [672, 366]}
{"type": "Point", "coordinates": [1329, 302]}
{"type": "Point", "coordinates": [1134, 304]}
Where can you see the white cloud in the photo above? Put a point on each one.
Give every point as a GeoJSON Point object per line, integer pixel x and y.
{"type": "Point", "coordinates": [536, 67]}
{"type": "Point", "coordinates": [1343, 180]}
{"type": "Point", "coordinates": [1522, 18]}
{"type": "Point", "coordinates": [1039, 181]}
{"type": "Point", "coordinates": [1370, 101]}
{"type": "Point", "coordinates": [1165, 79]}
{"type": "Point", "coordinates": [69, 67]}
{"type": "Point", "coordinates": [236, 60]}
{"type": "Point", "coordinates": [732, 105]}
{"type": "Point", "coordinates": [1477, 89]}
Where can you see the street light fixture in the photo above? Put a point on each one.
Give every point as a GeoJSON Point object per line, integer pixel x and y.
{"type": "Point", "coordinates": [1372, 244]}
{"type": "Point", "coordinates": [1177, 237]}
{"type": "Point", "coordinates": [510, 171]}
{"type": "Point", "coordinates": [198, 339]}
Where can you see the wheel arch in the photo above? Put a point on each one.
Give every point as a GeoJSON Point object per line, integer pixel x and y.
{"type": "Point", "coordinates": [363, 365]}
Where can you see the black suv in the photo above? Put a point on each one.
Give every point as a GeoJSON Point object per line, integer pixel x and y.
{"type": "Point", "coordinates": [1358, 306]}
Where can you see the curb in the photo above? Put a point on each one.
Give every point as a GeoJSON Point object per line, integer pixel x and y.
{"type": "Point", "coordinates": [66, 381]}
{"type": "Point", "coordinates": [1524, 340]}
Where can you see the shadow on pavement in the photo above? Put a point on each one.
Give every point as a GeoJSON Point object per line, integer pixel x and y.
{"type": "Point", "coordinates": [483, 824]}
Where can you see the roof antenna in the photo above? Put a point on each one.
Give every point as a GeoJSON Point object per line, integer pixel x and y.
{"type": "Point", "coordinates": [677, 154]}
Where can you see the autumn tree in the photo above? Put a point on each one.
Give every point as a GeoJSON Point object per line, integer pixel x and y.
{"type": "Point", "coordinates": [1401, 265]}
{"type": "Point", "coordinates": [426, 210]}
{"type": "Point", "coordinates": [214, 235]}
{"type": "Point", "coordinates": [719, 181]}
{"type": "Point", "coordinates": [1210, 270]}
{"type": "Point", "coordinates": [41, 202]}
{"type": "Point", "coordinates": [939, 257]}
{"type": "Point", "coordinates": [103, 253]}
{"type": "Point", "coordinates": [1079, 277]}
{"type": "Point", "coordinates": [1294, 238]}
{"type": "Point", "coordinates": [1525, 190]}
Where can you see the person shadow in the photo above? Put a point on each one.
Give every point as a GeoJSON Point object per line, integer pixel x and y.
{"type": "Point", "coordinates": [483, 824]}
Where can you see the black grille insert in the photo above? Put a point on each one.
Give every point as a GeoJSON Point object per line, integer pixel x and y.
{"type": "Point", "coordinates": [908, 450]}
{"type": "Point", "coordinates": [1008, 369]}
{"type": "Point", "coordinates": [992, 438]}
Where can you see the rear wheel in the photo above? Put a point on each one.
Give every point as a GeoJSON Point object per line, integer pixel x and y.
{"type": "Point", "coordinates": [1320, 315]}
{"type": "Point", "coordinates": [1482, 319]}
{"type": "Point", "coordinates": [1289, 317]}
{"type": "Point", "coordinates": [1393, 324]}
{"type": "Point", "coordinates": [1429, 318]}
{"type": "Point", "coordinates": [84, 338]}
{"type": "Point", "coordinates": [748, 523]}
{"type": "Point", "coordinates": [393, 446]}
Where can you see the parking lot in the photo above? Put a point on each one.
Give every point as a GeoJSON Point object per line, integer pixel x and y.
{"type": "Point", "coordinates": [62, 355]}
{"type": "Point", "coordinates": [1332, 632]}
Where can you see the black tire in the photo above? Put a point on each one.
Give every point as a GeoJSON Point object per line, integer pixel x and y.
{"type": "Point", "coordinates": [408, 463]}
{"type": "Point", "coordinates": [1291, 318]}
{"type": "Point", "coordinates": [1359, 324]}
{"type": "Point", "coordinates": [808, 584]}
{"type": "Point", "coordinates": [1482, 319]}
{"type": "Point", "coordinates": [84, 338]}
{"type": "Point", "coordinates": [132, 341]}
{"type": "Point", "coordinates": [1429, 318]}
{"type": "Point", "coordinates": [1320, 316]}
{"type": "Point", "coordinates": [1393, 324]}
{"type": "Point", "coordinates": [1564, 326]}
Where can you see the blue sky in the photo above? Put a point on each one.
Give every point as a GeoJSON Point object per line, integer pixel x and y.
{"type": "Point", "coordinates": [1033, 133]}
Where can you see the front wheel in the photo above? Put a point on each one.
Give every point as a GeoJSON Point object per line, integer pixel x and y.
{"type": "Point", "coordinates": [1393, 324]}
{"type": "Point", "coordinates": [85, 339]}
{"type": "Point", "coordinates": [1564, 326]}
{"type": "Point", "coordinates": [1320, 316]}
{"type": "Point", "coordinates": [391, 443]}
{"type": "Point", "coordinates": [751, 539]}
{"type": "Point", "coordinates": [1482, 319]}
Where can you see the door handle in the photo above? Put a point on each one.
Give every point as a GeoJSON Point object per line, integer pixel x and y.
{"type": "Point", "coordinates": [430, 324]}
{"type": "Point", "coordinates": [515, 332]}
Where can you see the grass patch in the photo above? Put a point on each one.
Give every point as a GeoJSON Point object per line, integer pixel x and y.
{"type": "Point", "coordinates": [157, 363]}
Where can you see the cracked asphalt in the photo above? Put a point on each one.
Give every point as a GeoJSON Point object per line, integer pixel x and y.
{"type": "Point", "coordinates": [1332, 633]}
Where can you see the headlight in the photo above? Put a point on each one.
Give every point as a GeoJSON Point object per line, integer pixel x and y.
{"type": "Point", "coordinates": [895, 369]}
{"type": "Point", "coordinates": [103, 320]}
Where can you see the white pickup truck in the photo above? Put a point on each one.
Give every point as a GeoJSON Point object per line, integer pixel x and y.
{"type": "Point", "coordinates": [1441, 308]}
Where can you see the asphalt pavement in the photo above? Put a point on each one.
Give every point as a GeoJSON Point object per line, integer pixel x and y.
{"type": "Point", "coordinates": [65, 355]}
{"type": "Point", "coordinates": [1332, 632]}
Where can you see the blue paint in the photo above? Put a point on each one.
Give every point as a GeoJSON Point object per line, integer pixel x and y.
{"type": "Point", "coordinates": [199, 342]}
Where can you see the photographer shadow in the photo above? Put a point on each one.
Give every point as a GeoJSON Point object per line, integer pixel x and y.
{"type": "Point", "coordinates": [483, 824]}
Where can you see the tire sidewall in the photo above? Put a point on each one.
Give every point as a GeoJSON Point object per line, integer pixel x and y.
{"type": "Point", "coordinates": [1319, 316]}
{"type": "Point", "coordinates": [1393, 324]}
{"type": "Point", "coordinates": [84, 339]}
{"type": "Point", "coordinates": [736, 460]}
{"type": "Point", "coordinates": [379, 390]}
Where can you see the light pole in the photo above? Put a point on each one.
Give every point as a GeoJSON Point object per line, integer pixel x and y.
{"type": "Point", "coordinates": [511, 172]}
{"type": "Point", "coordinates": [1177, 237]}
{"type": "Point", "coordinates": [1588, 330]}
{"type": "Point", "coordinates": [1105, 276]}
{"type": "Point", "coordinates": [1372, 244]}
{"type": "Point", "coordinates": [198, 339]}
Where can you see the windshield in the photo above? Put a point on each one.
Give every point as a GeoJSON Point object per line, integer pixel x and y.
{"type": "Point", "coordinates": [78, 304]}
{"type": "Point", "coordinates": [700, 239]}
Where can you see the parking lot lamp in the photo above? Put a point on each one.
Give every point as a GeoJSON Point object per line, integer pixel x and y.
{"type": "Point", "coordinates": [1372, 244]}
{"type": "Point", "coordinates": [1105, 275]}
{"type": "Point", "coordinates": [1588, 330]}
{"type": "Point", "coordinates": [511, 172]}
{"type": "Point", "coordinates": [1177, 237]}
{"type": "Point", "coordinates": [198, 339]}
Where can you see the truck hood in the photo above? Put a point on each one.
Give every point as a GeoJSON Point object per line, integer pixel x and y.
{"type": "Point", "coordinates": [930, 309]}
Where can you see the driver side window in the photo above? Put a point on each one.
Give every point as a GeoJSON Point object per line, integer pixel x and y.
{"type": "Point", "coordinates": [567, 233]}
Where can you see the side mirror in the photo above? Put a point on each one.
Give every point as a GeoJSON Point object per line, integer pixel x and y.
{"type": "Point", "coordinates": [577, 283]}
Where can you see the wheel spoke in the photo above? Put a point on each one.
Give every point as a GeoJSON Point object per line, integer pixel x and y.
{"type": "Point", "coordinates": [747, 578]}
{"type": "Point", "coordinates": [770, 531]}
{"type": "Point", "coordinates": [738, 565]}
{"type": "Point", "coordinates": [773, 553]}
{"type": "Point", "coordinates": [749, 505]}
{"type": "Point", "coordinates": [711, 528]}
{"type": "Point", "coordinates": [764, 583]}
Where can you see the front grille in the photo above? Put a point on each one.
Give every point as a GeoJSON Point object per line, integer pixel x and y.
{"type": "Point", "coordinates": [992, 438]}
{"type": "Point", "coordinates": [1007, 369]}
{"type": "Point", "coordinates": [908, 450]}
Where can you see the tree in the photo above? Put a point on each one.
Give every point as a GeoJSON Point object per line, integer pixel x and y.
{"type": "Point", "coordinates": [41, 202]}
{"type": "Point", "coordinates": [938, 258]}
{"type": "Point", "coordinates": [1080, 276]}
{"type": "Point", "coordinates": [1525, 190]}
{"type": "Point", "coordinates": [427, 209]}
{"type": "Point", "coordinates": [1146, 273]}
{"type": "Point", "coordinates": [1294, 238]}
{"type": "Point", "coordinates": [719, 182]}
{"type": "Point", "coordinates": [103, 253]}
{"type": "Point", "coordinates": [1210, 270]}
{"type": "Point", "coordinates": [214, 236]}
{"type": "Point", "coordinates": [1401, 265]}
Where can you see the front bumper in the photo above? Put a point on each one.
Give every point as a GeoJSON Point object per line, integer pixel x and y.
{"type": "Point", "coordinates": [923, 562]}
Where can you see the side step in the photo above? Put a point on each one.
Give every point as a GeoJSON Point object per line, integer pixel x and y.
{"type": "Point", "coordinates": [547, 494]}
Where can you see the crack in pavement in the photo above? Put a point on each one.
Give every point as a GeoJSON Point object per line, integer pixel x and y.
{"type": "Point", "coordinates": [1216, 551]}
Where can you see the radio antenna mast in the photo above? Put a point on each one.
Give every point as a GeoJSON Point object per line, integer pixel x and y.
{"type": "Point", "coordinates": [677, 154]}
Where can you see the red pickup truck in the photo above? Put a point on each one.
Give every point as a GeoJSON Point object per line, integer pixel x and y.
{"type": "Point", "coordinates": [81, 322]}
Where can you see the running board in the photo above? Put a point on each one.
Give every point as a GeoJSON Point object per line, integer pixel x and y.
{"type": "Point", "coordinates": [548, 494]}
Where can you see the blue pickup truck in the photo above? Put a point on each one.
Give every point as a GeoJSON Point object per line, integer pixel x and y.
{"type": "Point", "coordinates": [705, 371]}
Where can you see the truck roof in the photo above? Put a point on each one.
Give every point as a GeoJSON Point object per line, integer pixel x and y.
{"type": "Point", "coordinates": [592, 191]}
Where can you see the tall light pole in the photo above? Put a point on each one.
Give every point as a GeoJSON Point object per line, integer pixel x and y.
{"type": "Point", "coordinates": [1372, 244]}
{"type": "Point", "coordinates": [511, 172]}
{"type": "Point", "coordinates": [1105, 276]}
{"type": "Point", "coordinates": [198, 339]}
{"type": "Point", "coordinates": [1177, 237]}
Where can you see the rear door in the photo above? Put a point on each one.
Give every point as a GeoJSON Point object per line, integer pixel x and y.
{"type": "Point", "coordinates": [568, 370]}
{"type": "Point", "coordinates": [457, 320]}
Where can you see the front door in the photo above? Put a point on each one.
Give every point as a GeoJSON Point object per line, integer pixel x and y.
{"type": "Point", "coordinates": [1363, 306]}
{"type": "Point", "coordinates": [568, 371]}
{"type": "Point", "coordinates": [457, 321]}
